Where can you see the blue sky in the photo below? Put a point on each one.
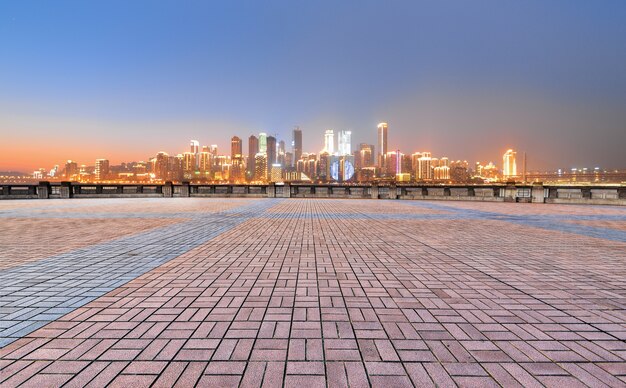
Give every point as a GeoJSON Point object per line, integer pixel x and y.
{"type": "Point", "coordinates": [464, 79]}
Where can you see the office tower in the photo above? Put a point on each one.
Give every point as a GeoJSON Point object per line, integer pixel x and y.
{"type": "Point", "coordinates": [205, 162]}
{"type": "Point", "coordinates": [235, 147]}
{"type": "Point", "coordinates": [382, 144]}
{"type": "Point", "coordinates": [189, 165]}
{"type": "Point", "coordinates": [365, 156]}
{"type": "Point", "coordinates": [194, 147]}
{"type": "Point", "coordinates": [102, 169]}
{"type": "Point", "coordinates": [71, 169]}
{"type": "Point", "coordinates": [253, 149]}
{"type": "Point", "coordinates": [213, 150]}
{"type": "Point", "coordinates": [161, 166]}
{"type": "Point", "coordinates": [280, 154]}
{"type": "Point", "coordinates": [238, 170]}
{"type": "Point", "coordinates": [260, 166]}
{"type": "Point", "coordinates": [424, 166]}
{"type": "Point", "coordinates": [271, 150]}
{"type": "Point", "coordinates": [296, 144]}
{"type": "Point", "coordinates": [329, 142]}
{"type": "Point", "coordinates": [345, 143]}
{"type": "Point", "coordinates": [289, 159]}
{"type": "Point", "coordinates": [509, 167]}
{"type": "Point", "coordinates": [263, 142]}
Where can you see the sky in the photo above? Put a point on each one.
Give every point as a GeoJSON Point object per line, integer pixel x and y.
{"type": "Point", "coordinates": [464, 79]}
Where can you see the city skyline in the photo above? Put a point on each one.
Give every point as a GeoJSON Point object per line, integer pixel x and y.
{"type": "Point", "coordinates": [465, 79]}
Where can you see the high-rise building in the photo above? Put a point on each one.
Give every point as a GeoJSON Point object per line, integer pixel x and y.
{"type": "Point", "coordinates": [276, 173]}
{"type": "Point", "coordinates": [271, 150]}
{"type": "Point", "coordinates": [263, 142]}
{"type": "Point", "coordinates": [509, 167]}
{"type": "Point", "coordinates": [345, 143]}
{"type": "Point", "coordinates": [194, 147]}
{"type": "Point", "coordinates": [205, 163]}
{"type": "Point", "coordinates": [296, 144]}
{"type": "Point", "coordinates": [441, 172]}
{"type": "Point", "coordinates": [161, 166]}
{"type": "Point", "coordinates": [281, 154]}
{"type": "Point", "coordinates": [235, 147]}
{"type": "Point", "coordinates": [253, 149]}
{"type": "Point", "coordinates": [260, 166]}
{"type": "Point", "coordinates": [382, 144]}
{"type": "Point", "coordinates": [424, 171]}
{"type": "Point", "coordinates": [364, 158]}
{"type": "Point", "coordinates": [101, 171]}
{"type": "Point", "coordinates": [71, 169]}
{"type": "Point", "coordinates": [189, 165]}
{"type": "Point", "coordinates": [329, 142]}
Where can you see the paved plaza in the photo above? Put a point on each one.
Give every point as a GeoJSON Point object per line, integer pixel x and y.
{"type": "Point", "coordinates": [311, 293]}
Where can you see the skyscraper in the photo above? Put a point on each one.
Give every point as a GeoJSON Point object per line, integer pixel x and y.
{"type": "Point", "coordinates": [424, 166]}
{"type": "Point", "coordinates": [263, 142]}
{"type": "Point", "coordinates": [345, 143]}
{"type": "Point", "coordinates": [161, 166]}
{"type": "Point", "coordinates": [260, 166]}
{"type": "Point", "coordinates": [382, 144]}
{"type": "Point", "coordinates": [296, 144]}
{"type": "Point", "coordinates": [509, 167]}
{"type": "Point", "coordinates": [102, 169]}
{"type": "Point", "coordinates": [235, 147]}
{"type": "Point", "coordinates": [194, 146]}
{"type": "Point", "coordinates": [329, 142]}
{"type": "Point", "coordinates": [189, 165]}
{"type": "Point", "coordinates": [253, 149]}
{"type": "Point", "coordinates": [71, 169]}
{"type": "Point", "coordinates": [271, 150]}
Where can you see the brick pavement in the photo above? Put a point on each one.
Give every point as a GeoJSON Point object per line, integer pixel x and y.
{"type": "Point", "coordinates": [323, 293]}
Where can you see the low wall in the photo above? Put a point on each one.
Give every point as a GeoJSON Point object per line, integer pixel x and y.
{"type": "Point", "coordinates": [596, 195]}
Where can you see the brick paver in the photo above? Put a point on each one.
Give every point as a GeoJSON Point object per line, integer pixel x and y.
{"type": "Point", "coordinates": [321, 293]}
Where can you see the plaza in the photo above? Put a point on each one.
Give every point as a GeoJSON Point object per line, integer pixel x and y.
{"type": "Point", "coordinates": [311, 292]}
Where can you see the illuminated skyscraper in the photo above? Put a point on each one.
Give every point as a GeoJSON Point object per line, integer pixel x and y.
{"type": "Point", "coordinates": [276, 173]}
{"type": "Point", "coordinates": [161, 166]}
{"type": "Point", "coordinates": [424, 166]}
{"type": "Point", "coordinates": [263, 142]}
{"type": "Point", "coordinates": [509, 167]}
{"type": "Point", "coordinates": [194, 147]}
{"type": "Point", "coordinates": [382, 144]}
{"type": "Point", "coordinates": [280, 154]}
{"type": "Point", "coordinates": [189, 165]}
{"type": "Point", "coordinates": [329, 142]}
{"type": "Point", "coordinates": [296, 144]}
{"type": "Point", "coordinates": [205, 162]}
{"type": "Point", "coordinates": [345, 143]}
{"type": "Point", "coordinates": [71, 169]}
{"type": "Point", "coordinates": [101, 171]}
{"type": "Point", "coordinates": [260, 166]}
{"type": "Point", "coordinates": [365, 156]}
{"type": "Point", "coordinates": [235, 147]}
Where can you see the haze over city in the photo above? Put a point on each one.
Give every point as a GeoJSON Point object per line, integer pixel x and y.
{"type": "Point", "coordinates": [124, 80]}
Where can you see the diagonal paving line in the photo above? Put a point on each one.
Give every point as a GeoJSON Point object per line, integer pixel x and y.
{"type": "Point", "coordinates": [37, 293]}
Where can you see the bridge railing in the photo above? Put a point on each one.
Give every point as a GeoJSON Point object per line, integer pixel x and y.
{"type": "Point", "coordinates": [537, 193]}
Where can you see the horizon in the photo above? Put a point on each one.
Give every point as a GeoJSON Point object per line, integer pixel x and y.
{"type": "Point", "coordinates": [467, 81]}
